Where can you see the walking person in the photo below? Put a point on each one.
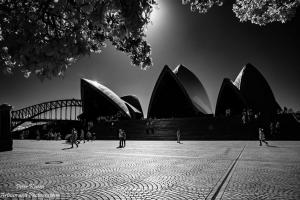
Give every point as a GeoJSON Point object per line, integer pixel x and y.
{"type": "Point", "coordinates": [178, 135]}
{"type": "Point", "coordinates": [261, 136]}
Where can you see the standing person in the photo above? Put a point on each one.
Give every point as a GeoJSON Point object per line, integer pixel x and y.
{"type": "Point", "coordinates": [151, 126]}
{"type": "Point", "coordinates": [58, 136]}
{"type": "Point", "coordinates": [261, 136]}
{"type": "Point", "coordinates": [89, 136]}
{"type": "Point", "coordinates": [38, 135]}
{"type": "Point", "coordinates": [178, 135]}
{"type": "Point", "coordinates": [82, 135]}
{"type": "Point", "coordinates": [124, 138]}
{"type": "Point", "coordinates": [74, 137]}
{"type": "Point", "coordinates": [147, 126]}
{"type": "Point", "coordinates": [277, 128]}
{"type": "Point", "coordinates": [271, 128]}
{"type": "Point", "coordinates": [227, 112]}
{"type": "Point", "coordinates": [244, 119]}
{"type": "Point", "coordinates": [120, 138]}
{"type": "Point", "coordinates": [94, 136]}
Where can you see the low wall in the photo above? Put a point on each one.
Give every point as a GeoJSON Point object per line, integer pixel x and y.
{"type": "Point", "coordinates": [201, 128]}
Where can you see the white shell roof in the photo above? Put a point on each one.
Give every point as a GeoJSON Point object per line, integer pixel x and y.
{"type": "Point", "coordinates": [110, 94]}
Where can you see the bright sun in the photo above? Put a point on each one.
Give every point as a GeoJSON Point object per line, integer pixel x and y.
{"type": "Point", "coordinates": [157, 17]}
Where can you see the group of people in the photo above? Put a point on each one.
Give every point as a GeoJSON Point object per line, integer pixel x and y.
{"type": "Point", "coordinates": [52, 135]}
{"type": "Point", "coordinates": [149, 126]}
{"type": "Point", "coordinates": [249, 116]}
{"type": "Point", "coordinates": [122, 138]}
{"type": "Point", "coordinates": [75, 140]}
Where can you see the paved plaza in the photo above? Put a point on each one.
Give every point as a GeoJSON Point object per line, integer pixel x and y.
{"type": "Point", "coordinates": [151, 170]}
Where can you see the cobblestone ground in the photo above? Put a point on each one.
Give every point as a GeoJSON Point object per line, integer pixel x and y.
{"type": "Point", "coordinates": [151, 170]}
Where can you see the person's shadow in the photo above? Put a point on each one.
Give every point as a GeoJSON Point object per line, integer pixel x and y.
{"type": "Point", "coordinates": [67, 148]}
{"type": "Point", "coordinates": [273, 146]}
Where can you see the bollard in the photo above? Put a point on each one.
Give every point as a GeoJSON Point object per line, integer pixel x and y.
{"type": "Point", "coordinates": [6, 142]}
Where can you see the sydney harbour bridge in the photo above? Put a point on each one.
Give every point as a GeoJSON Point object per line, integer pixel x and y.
{"type": "Point", "coordinates": [65, 110]}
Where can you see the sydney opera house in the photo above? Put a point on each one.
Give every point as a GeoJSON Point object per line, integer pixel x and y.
{"type": "Point", "coordinates": [180, 94]}
{"type": "Point", "coordinates": [179, 101]}
{"type": "Point", "coordinates": [177, 94]}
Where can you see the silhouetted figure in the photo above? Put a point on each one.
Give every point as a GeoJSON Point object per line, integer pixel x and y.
{"type": "Point", "coordinates": [277, 128]}
{"type": "Point", "coordinates": [124, 139]}
{"type": "Point", "coordinates": [58, 136]}
{"type": "Point", "coordinates": [249, 115]}
{"type": "Point", "coordinates": [22, 136]}
{"type": "Point", "coordinates": [227, 112]}
{"type": "Point", "coordinates": [74, 137]}
{"type": "Point", "coordinates": [149, 126]}
{"type": "Point", "coordinates": [261, 136]}
{"type": "Point", "coordinates": [82, 138]}
{"type": "Point", "coordinates": [38, 134]}
{"type": "Point", "coordinates": [94, 136]}
{"type": "Point", "coordinates": [89, 136]}
{"type": "Point", "coordinates": [271, 128]}
{"type": "Point", "coordinates": [257, 116]}
{"type": "Point", "coordinates": [120, 138]}
{"type": "Point", "coordinates": [244, 119]}
{"type": "Point", "coordinates": [51, 135]}
{"type": "Point", "coordinates": [152, 127]}
{"type": "Point", "coordinates": [178, 135]}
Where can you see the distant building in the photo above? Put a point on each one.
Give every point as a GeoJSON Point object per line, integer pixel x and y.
{"type": "Point", "coordinates": [250, 90]}
{"type": "Point", "coordinates": [178, 93]}
{"type": "Point", "coordinates": [98, 100]}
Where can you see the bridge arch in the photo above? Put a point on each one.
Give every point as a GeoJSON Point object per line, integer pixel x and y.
{"type": "Point", "coordinates": [35, 112]}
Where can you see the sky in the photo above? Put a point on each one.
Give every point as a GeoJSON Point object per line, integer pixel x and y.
{"type": "Point", "coordinates": [213, 46]}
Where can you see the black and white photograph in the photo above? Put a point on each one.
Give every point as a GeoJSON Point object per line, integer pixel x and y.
{"type": "Point", "coordinates": [150, 99]}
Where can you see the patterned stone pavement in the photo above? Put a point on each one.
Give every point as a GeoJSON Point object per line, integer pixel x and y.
{"type": "Point", "coordinates": [151, 170]}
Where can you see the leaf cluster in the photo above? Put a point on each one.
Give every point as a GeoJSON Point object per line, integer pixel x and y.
{"type": "Point", "coordinates": [45, 37]}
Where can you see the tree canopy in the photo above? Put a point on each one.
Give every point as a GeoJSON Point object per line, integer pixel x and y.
{"type": "Point", "coordinates": [259, 12]}
{"type": "Point", "coordinates": [44, 37]}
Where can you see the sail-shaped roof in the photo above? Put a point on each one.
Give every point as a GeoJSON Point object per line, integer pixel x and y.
{"type": "Point", "coordinates": [229, 98]}
{"type": "Point", "coordinates": [194, 88]}
{"type": "Point", "coordinates": [98, 100]}
{"type": "Point", "coordinates": [256, 90]}
{"type": "Point", "coordinates": [170, 97]}
{"type": "Point", "coordinates": [250, 90]}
